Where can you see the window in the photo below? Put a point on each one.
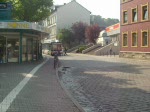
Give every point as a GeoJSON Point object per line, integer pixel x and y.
{"type": "Point", "coordinates": [145, 12]}
{"type": "Point", "coordinates": [144, 38]}
{"type": "Point", "coordinates": [134, 15]}
{"type": "Point", "coordinates": [125, 40]}
{"type": "Point", "coordinates": [125, 17]}
{"type": "Point", "coordinates": [134, 39]}
{"type": "Point", "coordinates": [54, 19]}
{"type": "Point", "coordinates": [50, 21]}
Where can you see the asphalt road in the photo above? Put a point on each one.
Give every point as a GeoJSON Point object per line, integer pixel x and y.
{"type": "Point", "coordinates": [107, 84]}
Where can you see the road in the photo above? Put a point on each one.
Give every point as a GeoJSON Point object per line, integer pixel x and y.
{"type": "Point", "coordinates": [107, 84]}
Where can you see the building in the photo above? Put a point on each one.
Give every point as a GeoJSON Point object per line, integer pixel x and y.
{"type": "Point", "coordinates": [110, 34]}
{"type": "Point", "coordinates": [103, 39]}
{"type": "Point", "coordinates": [113, 32]}
{"type": "Point", "coordinates": [21, 41]}
{"type": "Point", "coordinates": [135, 29]}
{"type": "Point", "coordinates": [64, 16]}
{"type": "Point", "coordinates": [109, 38]}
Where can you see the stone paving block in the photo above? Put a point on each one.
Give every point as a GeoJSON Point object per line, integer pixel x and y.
{"type": "Point", "coordinates": [109, 84]}
{"type": "Point", "coordinates": [42, 93]}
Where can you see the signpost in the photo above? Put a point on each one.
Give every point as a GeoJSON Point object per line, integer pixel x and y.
{"type": "Point", "coordinates": [5, 11]}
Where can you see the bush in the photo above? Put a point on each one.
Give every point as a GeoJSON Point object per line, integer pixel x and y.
{"type": "Point", "coordinates": [82, 48]}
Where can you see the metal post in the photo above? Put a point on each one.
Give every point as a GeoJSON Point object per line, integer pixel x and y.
{"type": "Point", "coordinates": [32, 48]}
{"type": "Point", "coordinates": [20, 47]}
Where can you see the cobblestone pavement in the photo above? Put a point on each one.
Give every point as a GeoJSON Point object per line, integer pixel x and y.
{"type": "Point", "coordinates": [11, 74]}
{"type": "Point", "coordinates": [108, 84]}
{"type": "Point", "coordinates": [42, 93]}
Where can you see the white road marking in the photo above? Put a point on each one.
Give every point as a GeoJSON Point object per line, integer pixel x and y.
{"type": "Point", "coordinates": [4, 105]}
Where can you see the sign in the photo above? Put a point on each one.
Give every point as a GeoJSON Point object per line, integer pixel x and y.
{"type": "Point", "coordinates": [5, 11]}
{"type": "Point", "coordinates": [3, 5]}
{"type": "Point", "coordinates": [23, 25]}
{"type": "Point", "coordinates": [40, 28]}
{"type": "Point", "coordinates": [113, 27]}
{"type": "Point", "coordinates": [18, 25]}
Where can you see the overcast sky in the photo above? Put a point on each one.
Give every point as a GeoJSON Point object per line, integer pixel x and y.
{"type": "Point", "coordinates": [104, 8]}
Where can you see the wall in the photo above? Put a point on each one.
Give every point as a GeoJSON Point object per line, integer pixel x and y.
{"type": "Point", "coordinates": [137, 26]}
{"type": "Point", "coordinates": [105, 50]}
{"type": "Point", "coordinates": [71, 13]}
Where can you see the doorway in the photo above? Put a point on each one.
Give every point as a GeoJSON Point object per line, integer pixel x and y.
{"type": "Point", "coordinates": [12, 49]}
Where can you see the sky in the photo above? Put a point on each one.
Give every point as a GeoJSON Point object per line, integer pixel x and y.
{"type": "Point", "coordinates": [104, 8]}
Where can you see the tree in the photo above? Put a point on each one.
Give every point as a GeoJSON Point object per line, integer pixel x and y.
{"type": "Point", "coordinates": [66, 37]}
{"type": "Point", "coordinates": [78, 29]}
{"type": "Point", "coordinates": [97, 19]}
{"type": "Point", "coordinates": [30, 10]}
{"type": "Point", "coordinates": [92, 33]}
{"type": "Point", "coordinates": [110, 21]}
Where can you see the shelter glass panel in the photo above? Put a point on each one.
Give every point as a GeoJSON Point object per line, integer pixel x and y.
{"type": "Point", "coordinates": [13, 49]}
{"type": "Point", "coordinates": [29, 49]}
{"type": "Point", "coordinates": [24, 49]}
{"type": "Point", "coordinates": [2, 49]}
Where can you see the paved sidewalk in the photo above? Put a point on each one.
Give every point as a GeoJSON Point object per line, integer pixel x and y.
{"type": "Point", "coordinates": [108, 84]}
{"type": "Point", "coordinates": [42, 93]}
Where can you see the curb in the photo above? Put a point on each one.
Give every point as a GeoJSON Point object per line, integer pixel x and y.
{"type": "Point", "coordinates": [68, 93]}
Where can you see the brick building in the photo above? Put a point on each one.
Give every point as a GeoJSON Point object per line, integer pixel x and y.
{"type": "Point", "coordinates": [135, 28]}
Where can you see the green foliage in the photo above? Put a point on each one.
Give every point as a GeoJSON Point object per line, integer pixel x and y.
{"type": "Point", "coordinates": [96, 19]}
{"type": "Point", "coordinates": [66, 37]}
{"type": "Point", "coordinates": [30, 10]}
{"type": "Point", "coordinates": [82, 48]}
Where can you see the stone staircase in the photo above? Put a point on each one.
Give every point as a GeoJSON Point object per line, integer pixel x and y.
{"type": "Point", "coordinates": [73, 50]}
{"type": "Point", "coordinates": [105, 50]}
{"type": "Point", "coordinates": [92, 52]}
{"type": "Point", "coordinates": [92, 49]}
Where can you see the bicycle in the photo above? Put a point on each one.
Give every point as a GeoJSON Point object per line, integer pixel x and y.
{"type": "Point", "coordinates": [55, 60]}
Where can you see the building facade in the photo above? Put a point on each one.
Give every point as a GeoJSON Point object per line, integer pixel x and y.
{"type": "Point", "coordinates": [110, 34]}
{"type": "Point", "coordinates": [21, 41]}
{"type": "Point", "coordinates": [109, 38]}
{"type": "Point", "coordinates": [113, 32]}
{"type": "Point", "coordinates": [103, 39]}
{"type": "Point", "coordinates": [64, 16]}
{"type": "Point", "coordinates": [135, 29]}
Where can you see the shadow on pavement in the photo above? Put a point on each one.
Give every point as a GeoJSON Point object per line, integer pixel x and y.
{"type": "Point", "coordinates": [112, 87]}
